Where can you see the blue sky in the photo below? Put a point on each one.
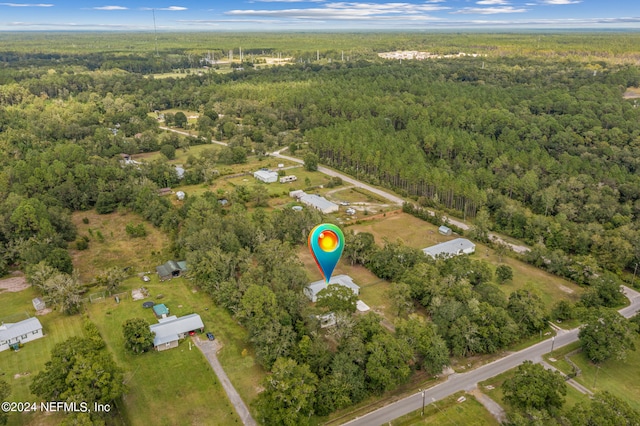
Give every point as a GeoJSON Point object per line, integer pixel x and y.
{"type": "Point", "coordinates": [296, 15]}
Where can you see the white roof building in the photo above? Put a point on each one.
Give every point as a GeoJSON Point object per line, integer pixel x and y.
{"type": "Point", "coordinates": [319, 203]}
{"type": "Point", "coordinates": [19, 332]}
{"type": "Point", "coordinates": [169, 330]}
{"type": "Point", "coordinates": [312, 290]}
{"type": "Point", "coordinates": [451, 248]}
{"type": "Point", "coordinates": [266, 176]}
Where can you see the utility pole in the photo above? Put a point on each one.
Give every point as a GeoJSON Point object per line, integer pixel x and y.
{"type": "Point", "coordinates": [596, 378]}
{"type": "Point", "coordinates": [422, 413]}
{"type": "Point", "coordinates": [553, 340]}
{"type": "Point", "coordinates": [633, 282]}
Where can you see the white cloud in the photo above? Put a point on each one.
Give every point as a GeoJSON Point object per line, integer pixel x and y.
{"type": "Point", "coordinates": [26, 4]}
{"type": "Point", "coordinates": [559, 2]}
{"type": "Point", "coordinates": [492, 2]}
{"type": "Point", "coordinates": [489, 10]}
{"type": "Point", "coordinates": [170, 8]}
{"type": "Point", "coordinates": [110, 8]}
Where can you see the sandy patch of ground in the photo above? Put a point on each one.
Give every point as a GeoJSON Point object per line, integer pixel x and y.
{"type": "Point", "coordinates": [15, 283]}
{"type": "Point", "coordinates": [43, 311]}
{"type": "Point", "coordinates": [565, 289]}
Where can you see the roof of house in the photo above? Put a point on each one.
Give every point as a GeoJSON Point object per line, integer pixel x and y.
{"type": "Point", "coordinates": [13, 330]}
{"type": "Point", "coordinates": [169, 329]}
{"type": "Point", "coordinates": [318, 202]}
{"type": "Point", "coordinates": [170, 266]}
{"type": "Point", "coordinates": [343, 280]}
{"type": "Point", "coordinates": [449, 248]}
{"type": "Point", "coordinates": [160, 309]}
{"type": "Point", "coordinates": [265, 174]}
{"type": "Point", "coordinates": [37, 302]}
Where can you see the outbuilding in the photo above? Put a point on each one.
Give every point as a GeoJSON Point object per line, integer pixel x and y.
{"type": "Point", "coordinates": [445, 230]}
{"type": "Point", "coordinates": [450, 248]}
{"type": "Point", "coordinates": [171, 269]}
{"type": "Point", "coordinates": [319, 203]}
{"type": "Point", "coordinates": [266, 176]}
{"type": "Point", "coordinates": [312, 290]}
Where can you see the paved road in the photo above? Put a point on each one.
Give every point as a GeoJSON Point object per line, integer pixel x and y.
{"type": "Point", "coordinates": [468, 381]}
{"type": "Point", "coordinates": [208, 348]}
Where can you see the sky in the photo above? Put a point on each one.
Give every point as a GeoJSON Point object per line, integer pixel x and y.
{"type": "Point", "coordinates": [318, 15]}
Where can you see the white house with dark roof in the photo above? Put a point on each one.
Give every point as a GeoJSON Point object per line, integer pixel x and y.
{"type": "Point", "coordinates": [312, 290]}
{"type": "Point", "coordinates": [171, 329]}
{"type": "Point", "coordinates": [451, 248]}
{"type": "Point", "coordinates": [19, 332]}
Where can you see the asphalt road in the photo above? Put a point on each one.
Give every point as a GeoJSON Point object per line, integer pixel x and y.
{"type": "Point", "coordinates": [467, 381]}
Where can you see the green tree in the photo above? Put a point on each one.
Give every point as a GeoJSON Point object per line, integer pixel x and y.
{"type": "Point", "coordinates": [289, 394]}
{"type": "Point", "coordinates": [534, 387]}
{"type": "Point", "coordinates": [5, 391]}
{"type": "Point", "coordinates": [60, 259]}
{"type": "Point", "coordinates": [400, 298]}
{"type": "Point", "coordinates": [607, 335]}
{"type": "Point", "coordinates": [527, 310]}
{"type": "Point", "coordinates": [78, 371]}
{"type": "Point", "coordinates": [358, 247]}
{"type": "Point", "coordinates": [180, 120]}
{"type": "Point", "coordinates": [604, 409]}
{"type": "Point", "coordinates": [64, 291]}
{"type": "Point", "coordinates": [337, 298]}
{"type": "Point", "coordinates": [168, 151]}
{"type": "Point", "coordinates": [138, 338]}
{"type": "Point", "coordinates": [311, 162]}
{"type": "Point", "coordinates": [504, 273]}
{"type": "Point", "coordinates": [111, 278]}
{"type": "Point", "coordinates": [430, 350]}
{"type": "Point", "coordinates": [388, 362]}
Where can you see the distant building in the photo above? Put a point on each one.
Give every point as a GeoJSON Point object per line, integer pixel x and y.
{"type": "Point", "coordinates": [14, 334]}
{"type": "Point", "coordinates": [38, 304]}
{"type": "Point", "coordinates": [445, 230]}
{"type": "Point", "coordinates": [287, 179]}
{"type": "Point", "coordinates": [297, 194]}
{"type": "Point", "coordinates": [170, 330]}
{"type": "Point", "coordinates": [319, 203]}
{"type": "Point", "coordinates": [451, 248]}
{"type": "Point", "coordinates": [266, 176]}
{"type": "Point", "coordinates": [171, 269]}
{"type": "Point", "coordinates": [312, 290]}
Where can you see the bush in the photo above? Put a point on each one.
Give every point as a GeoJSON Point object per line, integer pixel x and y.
{"type": "Point", "coordinates": [82, 244]}
{"type": "Point", "coordinates": [168, 151]}
{"type": "Point", "coordinates": [136, 231]}
{"type": "Point", "coordinates": [85, 220]}
{"type": "Point", "coordinates": [504, 273]}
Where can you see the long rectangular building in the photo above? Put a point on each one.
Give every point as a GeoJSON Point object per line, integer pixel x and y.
{"type": "Point", "coordinates": [450, 248]}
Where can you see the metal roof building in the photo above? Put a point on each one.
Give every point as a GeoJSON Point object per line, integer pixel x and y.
{"type": "Point", "coordinates": [171, 329]}
{"type": "Point", "coordinates": [312, 290]}
{"type": "Point", "coordinates": [319, 203]}
{"type": "Point", "coordinates": [19, 332]}
{"type": "Point", "coordinates": [266, 176]}
{"type": "Point", "coordinates": [451, 248]}
{"type": "Point", "coordinates": [171, 269]}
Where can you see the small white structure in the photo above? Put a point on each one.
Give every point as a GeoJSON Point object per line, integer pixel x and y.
{"type": "Point", "coordinates": [451, 248]}
{"type": "Point", "coordinates": [327, 320]}
{"type": "Point", "coordinates": [312, 290]}
{"type": "Point", "coordinates": [444, 230]}
{"type": "Point", "coordinates": [266, 176]}
{"type": "Point", "coordinates": [180, 195]}
{"type": "Point", "coordinates": [19, 332]}
{"type": "Point", "coordinates": [351, 211]}
{"type": "Point", "coordinates": [297, 208]}
{"type": "Point", "coordinates": [319, 203]}
{"type": "Point", "coordinates": [38, 304]}
{"type": "Point", "coordinates": [287, 179]}
{"type": "Point", "coordinates": [361, 306]}
{"type": "Point", "coordinates": [297, 194]}
{"type": "Point", "coordinates": [280, 165]}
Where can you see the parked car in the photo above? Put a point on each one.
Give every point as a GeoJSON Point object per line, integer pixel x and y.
{"type": "Point", "coordinates": [210, 336]}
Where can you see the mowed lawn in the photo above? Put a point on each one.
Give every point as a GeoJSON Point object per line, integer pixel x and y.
{"type": "Point", "coordinates": [19, 368]}
{"type": "Point", "coordinates": [449, 412]}
{"type": "Point", "coordinates": [419, 234]}
{"type": "Point", "coordinates": [177, 386]}
{"type": "Point", "coordinates": [116, 248]}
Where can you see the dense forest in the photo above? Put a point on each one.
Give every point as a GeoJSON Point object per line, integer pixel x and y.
{"type": "Point", "coordinates": [544, 149]}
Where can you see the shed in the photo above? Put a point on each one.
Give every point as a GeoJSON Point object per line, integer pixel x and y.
{"type": "Point", "coordinates": [297, 194]}
{"type": "Point", "coordinates": [170, 330]}
{"type": "Point", "coordinates": [160, 310]}
{"type": "Point", "coordinates": [445, 230]}
{"type": "Point", "coordinates": [266, 176]}
{"type": "Point", "coordinates": [319, 203]}
{"type": "Point", "coordinates": [287, 179]}
{"type": "Point", "coordinates": [13, 334]}
{"type": "Point", "coordinates": [450, 248]}
{"type": "Point", "coordinates": [38, 304]}
{"type": "Point", "coordinates": [312, 290]}
{"type": "Point", "coordinates": [171, 269]}
{"type": "Point", "coordinates": [164, 191]}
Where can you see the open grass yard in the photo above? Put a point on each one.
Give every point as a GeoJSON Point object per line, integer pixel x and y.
{"type": "Point", "coordinates": [175, 386]}
{"type": "Point", "coordinates": [19, 368]}
{"type": "Point", "coordinates": [449, 412]}
{"type": "Point", "coordinates": [355, 195]}
{"type": "Point", "coordinates": [116, 248]}
{"type": "Point", "coordinates": [419, 234]}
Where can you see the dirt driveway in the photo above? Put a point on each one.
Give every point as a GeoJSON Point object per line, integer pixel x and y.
{"type": "Point", "coordinates": [14, 284]}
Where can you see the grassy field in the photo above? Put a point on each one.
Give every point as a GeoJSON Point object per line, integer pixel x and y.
{"type": "Point", "coordinates": [116, 247]}
{"type": "Point", "coordinates": [449, 412]}
{"type": "Point", "coordinates": [156, 379]}
{"type": "Point", "coordinates": [420, 234]}
{"type": "Point", "coordinates": [19, 368]}
{"type": "Point", "coordinates": [356, 195]}
{"type": "Point", "coordinates": [618, 377]}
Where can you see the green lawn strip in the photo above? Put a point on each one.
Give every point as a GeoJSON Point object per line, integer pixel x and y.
{"type": "Point", "coordinates": [449, 411]}
{"type": "Point", "coordinates": [178, 378]}
{"type": "Point", "coordinates": [618, 377]}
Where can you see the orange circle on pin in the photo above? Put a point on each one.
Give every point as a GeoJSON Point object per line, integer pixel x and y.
{"type": "Point", "coordinates": [328, 241]}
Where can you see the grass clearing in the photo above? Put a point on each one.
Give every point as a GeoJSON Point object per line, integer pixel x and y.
{"type": "Point", "coordinates": [116, 247]}
{"type": "Point", "coordinates": [19, 368]}
{"type": "Point", "coordinates": [356, 195]}
{"type": "Point", "coordinates": [419, 234]}
{"type": "Point", "coordinates": [155, 379]}
{"type": "Point", "coordinates": [449, 411]}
